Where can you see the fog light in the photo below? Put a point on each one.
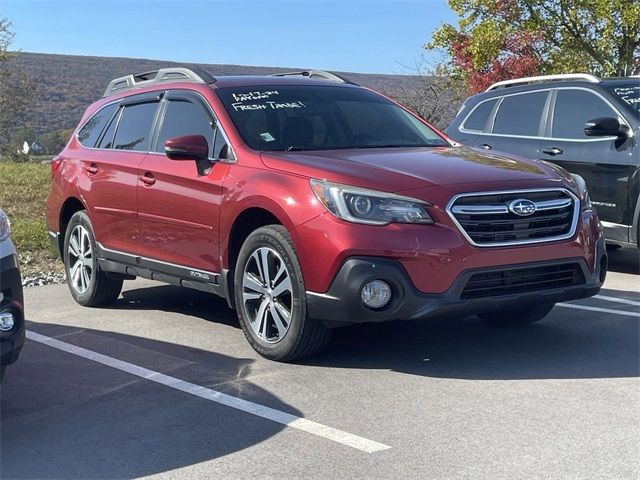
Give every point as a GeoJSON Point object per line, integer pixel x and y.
{"type": "Point", "coordinates": [6, 321]}
{"type": "Point", "coordinates": [376, 294]}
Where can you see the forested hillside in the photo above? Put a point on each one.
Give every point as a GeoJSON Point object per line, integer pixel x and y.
{"type": "Point", "coordinates": [64, 85]}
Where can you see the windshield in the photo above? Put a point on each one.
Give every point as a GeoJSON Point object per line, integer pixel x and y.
{"type": "Point", "coordinates": [630, 96]}
{"type": "Point", "coordinates": [297, 118]}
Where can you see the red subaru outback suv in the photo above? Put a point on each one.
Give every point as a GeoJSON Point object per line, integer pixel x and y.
{"type": "Point", "coordinates": [309, 202]}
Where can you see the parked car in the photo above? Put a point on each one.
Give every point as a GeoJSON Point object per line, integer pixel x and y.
{"type": "Point", "coordinates": [584, 124]}
{"type": "Point", "coordinates": [309, 202]}
{"type": "Point", "coordinates": [12, 326]}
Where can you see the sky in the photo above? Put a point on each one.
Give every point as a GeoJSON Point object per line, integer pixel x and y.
{"type": "Point", "coordinates": [372, 36]}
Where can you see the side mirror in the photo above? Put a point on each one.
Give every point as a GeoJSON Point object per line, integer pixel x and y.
{"type": "Point", "coordinates": [606, 127]}
{"type": "Point", "coordinates": [187, 147]}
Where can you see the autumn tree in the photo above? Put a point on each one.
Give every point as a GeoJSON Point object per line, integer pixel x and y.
{"type": "Point", "coordinates": [502, 39]}
{"type": "Point", "coordinates": [15, 89]}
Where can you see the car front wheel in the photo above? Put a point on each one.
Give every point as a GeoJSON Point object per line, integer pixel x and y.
{"type": "Point", "coordinates": [271, 299]}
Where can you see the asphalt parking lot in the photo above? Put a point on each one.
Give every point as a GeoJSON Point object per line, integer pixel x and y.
{"type": "Point", "coordinates": [163, 383]}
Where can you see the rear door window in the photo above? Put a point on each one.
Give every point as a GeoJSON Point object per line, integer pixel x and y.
{"type": "Point", "coordinates": [107, 138]}
{"type": "Point", "coordinates": [574, 108]}
{"type": "Point", "coordinates": [478, 118]}
{"type": "Point", "coordinates": [520, 114]}
{"type": "Point", "coordinates": [134, 127]}
{"type": "Point", "coordinates": [88, 135]}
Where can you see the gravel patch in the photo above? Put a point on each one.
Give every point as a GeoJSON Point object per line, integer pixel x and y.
{"type": "Point", "coordinates": [44, 279]}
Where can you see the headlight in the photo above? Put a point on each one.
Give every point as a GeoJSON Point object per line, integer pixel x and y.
{"type": "Point", "coordinates": [360, 205]}
{"type": "Point", "coordinates": [5, 227]}
{"type": "Point", "coordinates": [584, 193]}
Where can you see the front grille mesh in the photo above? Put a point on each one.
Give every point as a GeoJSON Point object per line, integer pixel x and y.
{"type": "Point", "coordinates": [487, 220]}
{"type": "Point", "coordinates": [522, 280]}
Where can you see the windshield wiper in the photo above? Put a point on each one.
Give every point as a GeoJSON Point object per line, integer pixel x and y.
{"type": "Point", "coordinates": [383, 145]}
{"type": "Point", "coordinates": [394, 145]}
{"type": "Point", "coordinates": [294, 148]}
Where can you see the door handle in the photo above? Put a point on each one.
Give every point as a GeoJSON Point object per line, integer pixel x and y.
{"type": "Point", "coordinates": [486, 146]}
{"type": "Point", "coordinates": [553, 151]}
{"type": "Point", "coordinates": [91, 169]}
{"type": "Point", "coordinates": [147, 179]}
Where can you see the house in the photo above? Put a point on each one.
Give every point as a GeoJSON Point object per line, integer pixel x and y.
{"type": "Point", "coordinates": [36, 148]}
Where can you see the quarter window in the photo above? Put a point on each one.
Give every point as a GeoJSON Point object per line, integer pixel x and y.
{"type": "Point", "coordinates": [478, 118]}
{"type": "Point", "coordinates": [89, 134]}
{"type": "Point", "coordinates": [184, 118]}
{"type": "Point", "coordinates": [573, 109]}
{"type": "Point", "coordinates": [221, 150]}
{"type": "Point", "coordinates": [520, 114]}
{"type": "Point", "coordinates": [135, 126]}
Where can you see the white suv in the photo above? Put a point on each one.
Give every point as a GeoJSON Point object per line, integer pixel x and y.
{"type": "Point", "coordinates": [12, 327]}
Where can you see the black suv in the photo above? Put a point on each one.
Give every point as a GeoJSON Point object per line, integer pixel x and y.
{"type": "Point", "coordinates": [578, 121]}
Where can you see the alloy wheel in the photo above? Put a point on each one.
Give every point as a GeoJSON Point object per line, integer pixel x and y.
{"type": "Point", "coordinates": [80, 259]}
{"type": "Point", "coordinates": [267, 295]}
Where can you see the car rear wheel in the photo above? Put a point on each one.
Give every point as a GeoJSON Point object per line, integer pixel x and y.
{"type": "Point", "coordinates": [89, 286]}
{"type": "Point", "coordinates": [517, 316]}
{"type": "Point", "coordinates": [271, 299]}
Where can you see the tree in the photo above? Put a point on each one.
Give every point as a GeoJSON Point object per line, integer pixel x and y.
{"type": "Point", "coordinates": [54, 141]}
{"type": "Point", "coordinates": [15, 88]}
{"type": "Point", "coordinates": [501, 39]}
{"type": "Point", "coordinates": [6, 37]}
{"type": "Point", "coordinates": [434, 95]}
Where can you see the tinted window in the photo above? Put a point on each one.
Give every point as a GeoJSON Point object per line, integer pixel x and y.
{"type": "Point", "coordinates": [134, 127]}
{"type": "Point", "coordinates": [184, 118]}
{"type": "Point", "coordinates": [107, 138]}
{"type": "Point", "coordinates": [280, 118]}
{"type": "Point", "coordinates": [520, 114]}
{"type": "Point", "coordinates": [89, 134]}
{"type": "Point", "coordinates": [478, 118]}
{"type": "Point", "coordinates": [573, 109]}
{"type": "Point", "coordinates": [630, 96]}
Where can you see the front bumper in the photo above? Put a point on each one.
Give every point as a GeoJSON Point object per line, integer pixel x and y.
{"type": "Point", "coordinates": [11, 299]}
{"type": "Point", "coordinates": [342, 304]}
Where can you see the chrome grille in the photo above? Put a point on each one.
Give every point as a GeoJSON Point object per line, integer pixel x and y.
{"type": "Point", "coordinates": [490, 218]}
{"type": "Point", "coordinates": [521, 280]}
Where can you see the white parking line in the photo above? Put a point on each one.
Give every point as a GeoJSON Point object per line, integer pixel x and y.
{"type": "Point", "coordinates": [598, 309]}
{"type": "Point", "coordinates": [330, 433]}
{"type": "Point", "coordinates": [618, 300]}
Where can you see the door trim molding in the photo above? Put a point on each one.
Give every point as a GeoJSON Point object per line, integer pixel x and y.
{"type": "Point", "coordinates": [116, 261]}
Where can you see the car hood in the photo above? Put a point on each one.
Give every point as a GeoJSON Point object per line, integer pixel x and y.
{"type": "Point", "coordinates": [401, 169]}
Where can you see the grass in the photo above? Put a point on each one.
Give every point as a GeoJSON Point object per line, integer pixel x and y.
{"type": "Point", "coordinates": [23, 189]}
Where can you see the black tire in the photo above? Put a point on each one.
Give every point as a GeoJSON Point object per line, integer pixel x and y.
{"type": "Point", "coordinates": [517, 316]}
{"type": "Point", "coordinates": [304, 336]}
{"type": "Point", "coordinates": [101, 289]}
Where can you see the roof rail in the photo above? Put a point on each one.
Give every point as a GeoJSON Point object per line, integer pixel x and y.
{"type": "Point", "coordinates": [319, 74]}
{"type": "Point", "coordinates": [172, 74]}
{"type": "Point", "coordinates": [545, 78]}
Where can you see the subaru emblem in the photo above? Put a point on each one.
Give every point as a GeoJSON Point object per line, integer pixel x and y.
{"type": "Point", "coordinates": [522, 207]}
